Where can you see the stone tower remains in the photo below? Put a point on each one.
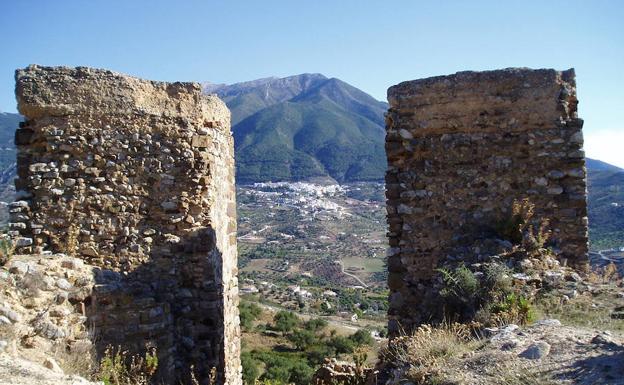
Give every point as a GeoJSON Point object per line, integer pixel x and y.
{"type": "Point", "coordinates": [137, 178]}
{"type": "Point", "coordinates": [461, 149]}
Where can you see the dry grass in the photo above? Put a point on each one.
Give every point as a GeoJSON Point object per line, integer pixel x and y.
{"type": "Point", "coordinates": [605, 275]}
{"type": "Point", "coordinates": [75, 359]}
{"type": "Point", "coordinates": [30, 284]}
{"type": "Point", "coordinates": [427, 352]}
{"type": "Point", "coordinates": [8, 333]}
{"type": "Point", "coordinates": [453, 354]}
{"type": "Point", "coordinates": [118, 367]}
{"type": "Point", "coordinates": [593, 311]}
{"type": "Point", "coordinates": [6, 249]}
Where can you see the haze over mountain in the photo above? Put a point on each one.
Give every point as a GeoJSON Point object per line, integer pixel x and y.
{"type": "Point", "coordinates": [304, 126]}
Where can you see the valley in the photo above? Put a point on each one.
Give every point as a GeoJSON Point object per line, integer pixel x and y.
{"type": "Point", "coordinates": [320, 249]}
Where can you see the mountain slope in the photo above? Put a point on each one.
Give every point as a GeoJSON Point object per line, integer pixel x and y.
{"type": "Point", "coordinates": [8, 124]}
{"type": "Point", "coordinates": [246, 98]}
{"type": "Point", "coordinates": [598, 165]}
{"type": "Point", "coordinates": [305, 126]}
{"type": "Point", "coordinates": [606, 207]}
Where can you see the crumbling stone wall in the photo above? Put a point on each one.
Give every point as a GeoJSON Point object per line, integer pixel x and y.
{"type": "Point", "coordinates": [461, 149]}
{"type": "Point", "coordinates": [136, 177]}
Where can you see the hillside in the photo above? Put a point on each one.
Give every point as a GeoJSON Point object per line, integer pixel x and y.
{"type": "Point", "coordinates": [246, 98]}
{"type": "Point", "coordinates": [8, 124]}
{"type": "Point", "coordinates": [606, 208]}
{"type": "Point", "coordinates": [598, 165]}
{"type": "Point", "coordinates": [304, 126]}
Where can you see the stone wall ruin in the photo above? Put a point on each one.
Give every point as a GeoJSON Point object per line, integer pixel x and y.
{"type": "Point", "coordinates": [137, 178]}
{"type": "Point", "coordinates": [461, 149]}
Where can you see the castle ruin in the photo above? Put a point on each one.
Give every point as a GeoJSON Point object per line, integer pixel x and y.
{"type": "Point", "coordinates": [137, 178]}
{"type": "Point", "coordinates": [461, 149]}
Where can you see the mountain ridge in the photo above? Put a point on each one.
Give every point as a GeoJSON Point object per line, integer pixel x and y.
{"type": "Point", "coordinates": [305, 126]}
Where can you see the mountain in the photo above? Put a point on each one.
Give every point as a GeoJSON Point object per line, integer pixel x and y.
{"type": "Point", "coordinates": [605, 206]}
{"type": "Point", "coordinates": [304, 126]}
{"type": "Point", "coordinates": [8, 124]}
{"type": "Point", "coordinates": [598, 165]}
{"type": "Point", "coordinates": [246, 98]}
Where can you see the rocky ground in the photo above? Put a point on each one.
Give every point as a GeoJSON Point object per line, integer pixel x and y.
{"type": "Point", "coordinates": [578, 338]}
{"type": "Point", "coordinates": [544, 353]}
{"type": "Point", "coordinates": [44, 336]}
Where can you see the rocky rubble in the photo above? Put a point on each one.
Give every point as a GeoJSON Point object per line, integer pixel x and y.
{"type": "Point", "coordinates": [544, 353]}
{"type": "Point", "coordinates": [340, 372]}
{"type": "Point", "coordinates": [44, 331]}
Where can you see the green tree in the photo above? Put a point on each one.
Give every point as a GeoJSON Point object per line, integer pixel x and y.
{"type": "Point", "coordinates": [316, 324]}
{"type": "Point", "coordinates": [316, 354]}
{"type": "Point", "coordinates": [249, 312]}
{"type": "Point", "coordinates": [285, 321]}
{"type": "Point", "coordinates": [277, 368]}
{"type": "Point", "coordinates": [361, 337]}
{"type": "Point", "coordinates": [302, 338]}
{"type": "Point", "coordinates": [301, 373]}
{"type": "Point", "coordinates": [341, 345]}
{"type": "Point", "coordinates": [250, 368]}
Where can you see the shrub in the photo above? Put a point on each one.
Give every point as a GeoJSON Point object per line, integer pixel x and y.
{"type": "Point", "coordinates": [6, 249]}
{"type": "Point", "coordinates": [302, 338]}
{"type": "Point", "coordinates": [285, 368]}
{"type": "Point", "coordinates": [513, 308]}
{"type": "Point", "coordinates": [251, 370]}
{"type": "Point", "coordinates": [341, 345]}
{"type": "Point", "coordinates": [460, 292]}
{"type": "Point", "coordinates": [521, 228]}
{"type": "Point", "coordinates": [117, 367]}
{"type": "Point", "coordinates": [300, 373]}
{"type": "Point", "coordinates": [316, 354]}
{"type": "Point", "coordinates": [285, 321]}
{"type": "Point", "coordinates": [249, 312]}
{"type": "Point", "coordinates": [489, 300]}
{"type": "Point", "coordinates": [428, 349]}
{"type": "Point", "coordinates": [316, 324]}
{"type": "Point", "coordinates": [497, 279]}
{"type": "Point", "coordinates": [361, 337]}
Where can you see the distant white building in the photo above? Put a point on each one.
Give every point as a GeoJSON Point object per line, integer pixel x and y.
{"type": "Point", "coordinates": [249, 289]}
{"type": "Point", "coordinates": [298, 291]}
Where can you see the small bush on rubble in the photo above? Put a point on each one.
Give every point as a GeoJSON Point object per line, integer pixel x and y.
{"type": "Point", "coordinates": [6, 249]}
{"type": "Point", "coordinates": [119, 368]}
{"type": "Point", "coordinates": [423, 356]}
{"type": "Point", "coordinates": [522, 229]}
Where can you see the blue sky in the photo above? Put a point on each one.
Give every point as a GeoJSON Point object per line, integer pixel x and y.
{"type": "Point", "coordinates": [370, 44]}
